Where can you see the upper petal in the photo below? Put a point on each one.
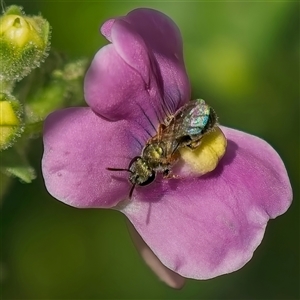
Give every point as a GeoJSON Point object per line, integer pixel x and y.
{"type": "Point", "coordinates": [159, 32]}
{"type": "Point", "coordinates": [208, 226]}
{"type": "Point", "coordinates": [116, 91]}
{"type": "Point", "coordinates": [163, 39]}
{"type": "Point", "coordinates": [78, 147]}
{"type": "Point", "coordinates": [144, 68]}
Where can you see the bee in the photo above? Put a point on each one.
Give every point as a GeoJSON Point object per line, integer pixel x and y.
{"type": "Point", "coordinates": [183, 129]}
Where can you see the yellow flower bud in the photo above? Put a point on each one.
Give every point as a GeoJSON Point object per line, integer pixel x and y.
{"type": "Point", "coordinates": [8, 116]}
{"type": "Point", "coordinates": [207, 155]}
{"type": "Point", "coordinates": [10, 120]}
{"type": "Point", "coordinates": [24, 42]}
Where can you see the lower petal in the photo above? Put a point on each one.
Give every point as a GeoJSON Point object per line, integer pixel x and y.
{"type": "Point", "coordinates": [208, 226]}
{"type": "Point", "coordinates": [168, 276]}
{"type": "Point", "coordinates": [78, 147]}
{"type": "Point", "coordinates": [197, 234]}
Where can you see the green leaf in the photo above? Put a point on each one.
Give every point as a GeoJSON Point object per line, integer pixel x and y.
{"type": "Point", "coordinates": [14, 163]}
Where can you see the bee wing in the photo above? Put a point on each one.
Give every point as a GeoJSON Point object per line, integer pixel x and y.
{"type": "Point", "coordinates": [192, 118]}
{"type": "Point", "coordinates": [188, 123]}
{"type": "Point", "coordinates": [168, 136]}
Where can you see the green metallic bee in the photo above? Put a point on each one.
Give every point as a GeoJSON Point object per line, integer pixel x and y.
{"type": "Point", "coordinates": [184, 129]}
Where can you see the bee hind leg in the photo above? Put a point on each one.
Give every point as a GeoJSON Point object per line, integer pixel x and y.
{"type": "Point", "coordinates": [193, 145]}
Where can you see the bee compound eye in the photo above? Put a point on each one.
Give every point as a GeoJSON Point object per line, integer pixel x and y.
{"type": "Point", "coordinates": [149, 179]}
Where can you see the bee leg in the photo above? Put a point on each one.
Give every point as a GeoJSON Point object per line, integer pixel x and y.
{"type": "Point", "coordinates": [194, 145]}
{"type": "Point", "coordinates": [161, 128]}
{"type": "Point", "coordinates": [168, 175]}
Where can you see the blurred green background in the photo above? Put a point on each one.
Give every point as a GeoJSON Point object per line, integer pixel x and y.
{"type": "Point", "coordinates": [243, 58]}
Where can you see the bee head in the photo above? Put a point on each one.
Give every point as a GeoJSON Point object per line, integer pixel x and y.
{"type": "Point", "coordinates": [141, 173]}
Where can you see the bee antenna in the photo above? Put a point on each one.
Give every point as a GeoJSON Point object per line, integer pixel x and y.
{"type": "Point", "coordinates": [117, 169]}
{"type": "Point", "coordinates": [131, 191]}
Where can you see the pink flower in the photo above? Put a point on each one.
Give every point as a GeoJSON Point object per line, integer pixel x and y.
{"type": "Point", "coordinates": [199, 226]}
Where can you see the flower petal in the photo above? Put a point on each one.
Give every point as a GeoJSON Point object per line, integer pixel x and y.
{"type": "Point", "coordinates": [78, 147]}
{"type": "Point", "coordinates": [144, 66]}
{"type": "Point", "coordinates": [115, 91]}
{"type": "Point", "coordinates": [168, 276]}
{"type": "Point", "coordinates": [260, 169]}
{"type": "Point", "coordinates": [211, 225]}
{"type": "Point", "coordinates": [163, 39]}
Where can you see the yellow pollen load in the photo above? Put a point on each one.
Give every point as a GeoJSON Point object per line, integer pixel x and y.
{"type": "Point", "coordinates": [207, 155]}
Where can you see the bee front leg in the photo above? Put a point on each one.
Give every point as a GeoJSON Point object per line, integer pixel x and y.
{"type": "Point", "coordinates": [167, 174]}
